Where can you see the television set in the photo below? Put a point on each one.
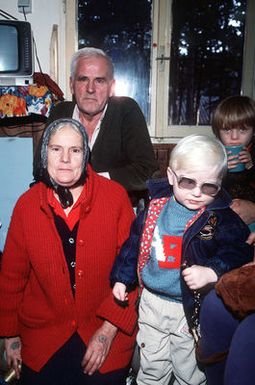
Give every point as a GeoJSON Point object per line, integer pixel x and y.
{"type": "Point", "coordinates": [16, 53]}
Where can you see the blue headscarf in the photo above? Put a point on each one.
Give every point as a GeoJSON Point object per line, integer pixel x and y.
{"type": "Point", "coordinates": [64, 193]}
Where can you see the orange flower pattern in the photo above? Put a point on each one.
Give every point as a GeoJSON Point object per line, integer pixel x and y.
{"type": "Point", "coordinates": [11, 105]}
{"type": "Point", "coordinates": [18, 101]}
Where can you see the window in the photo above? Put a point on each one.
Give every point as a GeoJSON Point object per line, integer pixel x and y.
{"type": "Point", "coordinates": [177, 58]}
{"type": "Point", "coordinates": [123, 30]}
{"type": "Point", "coordinates": [206, 57]}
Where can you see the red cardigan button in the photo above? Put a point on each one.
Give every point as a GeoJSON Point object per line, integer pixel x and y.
{"type": "Point", "coordinates": [73, 323]}
{"type": "Point", "coordinates": [80, 273]}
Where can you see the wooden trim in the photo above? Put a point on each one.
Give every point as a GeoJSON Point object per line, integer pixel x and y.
{"type": "Point", "coordinates": [162, 154]}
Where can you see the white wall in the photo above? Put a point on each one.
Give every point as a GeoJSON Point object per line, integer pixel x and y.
{"type": "Point", "coordinates": [16, 158]}
{"type": "Point", "coordinates": [16, 154]}
{"type": "Point", "coordinates": [45, 13]}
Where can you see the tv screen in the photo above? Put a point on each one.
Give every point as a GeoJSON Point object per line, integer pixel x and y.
{"type": "Point", "coordinates": [9, 49]}
{"type": "Point", "coordinates": [16, 53]}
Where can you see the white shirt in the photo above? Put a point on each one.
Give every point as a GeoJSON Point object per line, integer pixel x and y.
{"type": "Point", "coordinates": [95, 133]}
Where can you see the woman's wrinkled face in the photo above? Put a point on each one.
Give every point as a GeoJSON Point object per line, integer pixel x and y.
{"type": "Point", "coordinates": [65, 156]}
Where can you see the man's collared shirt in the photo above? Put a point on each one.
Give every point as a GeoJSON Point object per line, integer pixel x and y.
{"type": "Point", "coordinates": [95, 133]}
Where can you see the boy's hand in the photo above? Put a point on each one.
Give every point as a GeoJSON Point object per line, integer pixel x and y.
{"type": "Point", "coordinates": [197, 277]}
{"type": "Point", "coordinates": [233, 160]}
{"type": "Point", "coordinates": [251, 239]}
{"type": "Point", "coordinates": [119, 291]}
{"type": "Point", "coordinates": [245, 157]}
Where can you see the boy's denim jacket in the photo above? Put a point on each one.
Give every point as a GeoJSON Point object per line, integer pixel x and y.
{"type": "Point", "coordinates": [216, 239]}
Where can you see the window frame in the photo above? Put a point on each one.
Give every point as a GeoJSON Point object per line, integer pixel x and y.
{"type": "Point", "coordinates": [159, 129]}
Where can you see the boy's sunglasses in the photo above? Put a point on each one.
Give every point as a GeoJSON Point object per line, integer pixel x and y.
{"type": "Point", "coordinates": [210, 189]}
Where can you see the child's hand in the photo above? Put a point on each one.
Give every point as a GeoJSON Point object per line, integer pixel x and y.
{"type": "Point", "coordinates": [245, 157]}
{"type": "Point", "coordinates": [197, 277]}
{"type": "Point", "coordinates": [251, 239]}
{"type": "Point", "coordinates": [119, 291]}
{"type": "Point", "coordinates": [233, 160]}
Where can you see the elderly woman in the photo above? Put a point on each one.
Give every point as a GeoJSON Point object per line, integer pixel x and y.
{"type": "Point", "coordinates": [58, 315]}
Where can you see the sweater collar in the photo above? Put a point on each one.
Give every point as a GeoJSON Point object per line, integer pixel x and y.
{"type": "Point", "coordinates": [86, 196]}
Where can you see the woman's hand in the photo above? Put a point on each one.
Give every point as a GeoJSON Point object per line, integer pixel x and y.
{"type": "Point", "coordinates": [98, 348]}
{"type": "Point", "coordinates": [13, 354]}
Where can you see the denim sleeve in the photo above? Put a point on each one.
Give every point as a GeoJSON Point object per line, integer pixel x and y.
{"type": "Point", "coordinates": [125, 266]}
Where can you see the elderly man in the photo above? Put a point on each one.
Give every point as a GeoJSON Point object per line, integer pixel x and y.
{"type": "Point", "coordinates": [120, 145]}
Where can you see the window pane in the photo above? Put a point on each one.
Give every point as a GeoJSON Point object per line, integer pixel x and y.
{"type": "Point", "coordinates": [206, 57]}
{"type": "Point", "coordinates": [123, 30]}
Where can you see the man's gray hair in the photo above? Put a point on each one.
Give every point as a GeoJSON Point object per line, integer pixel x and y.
{"type": "Point", "coordinates": [89, 52]}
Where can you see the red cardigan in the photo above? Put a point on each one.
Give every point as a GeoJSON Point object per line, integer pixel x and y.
{"type": "Point", "coordinates": [36, 299]}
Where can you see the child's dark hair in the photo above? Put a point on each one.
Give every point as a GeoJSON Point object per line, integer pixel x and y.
{"type": "Point", "coordinates": [234, 112]}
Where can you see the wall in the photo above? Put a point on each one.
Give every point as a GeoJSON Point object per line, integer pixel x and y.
{"type": "Point", "coordinates": [16, 154]}
{"type": "Point", "coordinates": [44, 15]}
{"type": "Point", "coordinates": [16, 157]}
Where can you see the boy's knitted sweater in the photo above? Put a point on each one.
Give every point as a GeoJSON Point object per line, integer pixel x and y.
{"type": "Point", "coordinates": [162, 272]}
